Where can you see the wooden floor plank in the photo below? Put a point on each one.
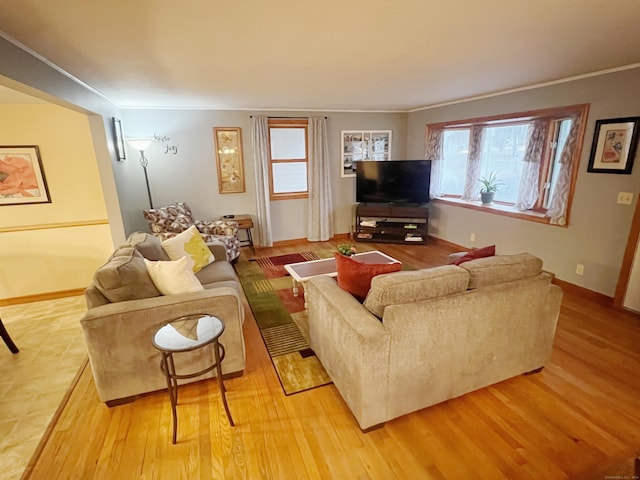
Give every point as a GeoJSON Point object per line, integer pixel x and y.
{"type": "Point", "coordinates": [577, 417]}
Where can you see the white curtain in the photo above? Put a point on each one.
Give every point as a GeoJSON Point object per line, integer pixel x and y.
{"type": "Point", "coordinates": [433, 151]}
{"type": "Point", "coordinates": [260, 139]}
{"type": "Point", "coordinates": [320, 224]}
{"type": "Point", "coordinates": [471, 186]}
{"type": "Point", "coordinates": [557, 211]}
{"type": "Point", "coordinates": [529, 188]}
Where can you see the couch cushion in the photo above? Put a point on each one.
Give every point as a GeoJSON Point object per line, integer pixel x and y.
{"type": "Point", "coordinates": [414, 286]}
{"type": "Point", "coordinates": [173, 277]}
{"type": "Point", "coordinates": [217, 272]}
{"type": "Point", "coordinates": [501, 268]}
{"type": "Point", "coordinates": [355, 277]}
{"type": "Point", "coordinates": [148, 245]}
{"type": "Point", "coordinates": [125, 277]}
{"type": "Point", "coordinates": [190, 244]}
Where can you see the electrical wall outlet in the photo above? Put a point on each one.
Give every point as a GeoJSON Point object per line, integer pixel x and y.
{"type": "Point", "coordinates": [472, 237]}
{"type": "Point", "coordinates": [580, 269]}
{"type": "Point", "coordinates": [625, 198]}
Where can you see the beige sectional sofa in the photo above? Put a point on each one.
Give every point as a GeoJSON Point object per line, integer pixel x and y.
{"type": "Point", "coordinates": [425, 336]}
{"type": "Point", "coordinates": [125, 310]}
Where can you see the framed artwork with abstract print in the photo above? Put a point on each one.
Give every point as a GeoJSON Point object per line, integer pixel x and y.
{"type": "Point", "coordinates": [614, 145]}
{"type": "Point", "coordinates": [22, 179]}
{"type": "Point", "coordinates": [228, 144]}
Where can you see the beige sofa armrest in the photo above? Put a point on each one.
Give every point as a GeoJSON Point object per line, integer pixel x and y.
{"type": "Point", "coordinates": [352, 345]}
{"type": "Point", "coordinates": [119, 340]}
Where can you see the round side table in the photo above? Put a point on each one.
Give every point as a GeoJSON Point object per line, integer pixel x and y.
{"type": "Point", "coordinates": [186, 334]}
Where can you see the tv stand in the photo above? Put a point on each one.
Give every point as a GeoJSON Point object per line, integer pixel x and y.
{"type": "Point", "coordinates": [391, 223]}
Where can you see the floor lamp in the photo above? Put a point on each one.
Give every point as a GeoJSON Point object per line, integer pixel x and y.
{"type": "Point", "coordinates": [141, 144]}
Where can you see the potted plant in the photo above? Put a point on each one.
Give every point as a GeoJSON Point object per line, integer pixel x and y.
{"type": "Point", "coordinates": [346, 249]}
{"type": "Point", "coordinates": [490, 186]}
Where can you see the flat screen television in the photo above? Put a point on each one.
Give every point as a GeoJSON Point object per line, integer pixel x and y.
{"type": "Point", "coordinates": [402, 182]}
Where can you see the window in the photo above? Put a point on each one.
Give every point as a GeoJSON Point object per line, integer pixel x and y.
{"type": "Point", "coordinates": [527, 184]}
{"type": "Point", "coordinates": [288, 158]}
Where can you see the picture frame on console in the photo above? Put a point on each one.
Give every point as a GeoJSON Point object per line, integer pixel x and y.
{"type": "Point", "coordinates": [22, 179]}
{"type": "Point", "coordinates": [614, 145]}
{"type": "Point", "coordinates": [228, 145]}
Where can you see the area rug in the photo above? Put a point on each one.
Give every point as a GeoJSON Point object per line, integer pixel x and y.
{"type": "Point", "coordinates": [282, 319]}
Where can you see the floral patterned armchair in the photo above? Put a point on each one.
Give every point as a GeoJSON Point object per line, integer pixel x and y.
{"type": "Point", "coordinates": [169, 221]}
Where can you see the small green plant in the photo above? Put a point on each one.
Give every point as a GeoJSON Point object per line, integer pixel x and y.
{"type": "Point", "coordinates": [490, 184]}
{"type": "Point", "coordinates": [346, 249]}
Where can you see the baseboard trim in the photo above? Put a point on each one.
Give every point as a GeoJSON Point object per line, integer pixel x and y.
{"type": "Point", "coordinates": [598, 297]}
{"type": "Point", "coordinates": [446, 243]}
{"type": "Point", "coordinates": [297, 241]}
{"type": "Point", "coordinates": [38, 297]}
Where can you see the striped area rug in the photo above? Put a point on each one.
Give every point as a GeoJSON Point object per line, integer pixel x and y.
{"type": "Point", "coordinates": [282, 319]}
{"type": "Point", "coordinates": [266, 262]}
{"type": "Point", "coordinates": [284, 339]}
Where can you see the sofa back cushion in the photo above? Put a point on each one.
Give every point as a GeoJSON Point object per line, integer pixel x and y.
{"type": "Point", "coordinates": [149, 246]}
{"type": "Point", "coordinates": [484, 272]}
{"type": "Point", "coordinates": [414, 286]}
{"type": "Point", "coordinates": [125, 277]}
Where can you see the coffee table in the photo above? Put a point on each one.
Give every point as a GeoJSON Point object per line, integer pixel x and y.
{"type": "Point", "coordinates": [302, 271]}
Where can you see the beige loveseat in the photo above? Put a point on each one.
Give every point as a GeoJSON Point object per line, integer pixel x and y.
{"type": "Point", "coordinates": [425, 336]}
{"type": "Point", "coordinates": [125, 310]}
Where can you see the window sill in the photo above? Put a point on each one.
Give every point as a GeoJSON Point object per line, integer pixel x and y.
{"type": "Point", "coordinates": [495, 208]}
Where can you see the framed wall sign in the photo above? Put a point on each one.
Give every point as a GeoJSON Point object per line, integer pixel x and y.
{"type": "Point", "coordinates": [22, 179]}
{"type": "Point", "coordinates": [228, 144]}
{"type": "Point", "coordinates": [614, 145]}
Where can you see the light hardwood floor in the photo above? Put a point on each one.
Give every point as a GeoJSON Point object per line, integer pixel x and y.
{"type": "Point", "coordinates": [578, 418]}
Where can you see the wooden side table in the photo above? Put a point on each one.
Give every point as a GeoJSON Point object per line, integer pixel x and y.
{"type": "Point", "coordinates": [245, 222]}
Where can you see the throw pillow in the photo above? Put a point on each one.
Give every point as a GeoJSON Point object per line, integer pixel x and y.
{"type": "Point", "coordinates": [173, 277]}
{"type": "Point", "coordinates": [190, 244]}
{"type": "Point", "coordinates": [355, 277]}
{"type": "Point", "coordinates": [124, 277]}
{"type": "Point", "coordinates": [483, 252]}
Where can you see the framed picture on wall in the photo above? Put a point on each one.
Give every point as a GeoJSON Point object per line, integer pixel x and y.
{"type": "Point", "coordinates": [614, 145]}
{"type": "Point", "coordinates": [22, 179]}
{"type": "Point", "coordinates": [359, 145]}
{"type": "Point", "coordinates": [228, 144]}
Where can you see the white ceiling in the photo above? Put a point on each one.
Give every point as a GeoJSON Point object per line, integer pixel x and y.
{"type": "Point", "coordinates": [369, 55]}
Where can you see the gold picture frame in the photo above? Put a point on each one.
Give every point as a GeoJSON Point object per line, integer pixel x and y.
{"type": "Point", "coordinates": [228, 144]}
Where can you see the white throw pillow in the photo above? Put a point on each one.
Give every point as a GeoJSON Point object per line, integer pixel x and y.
{"type": "Point", "coordinates": [190, 244]}
{"type": "Point", "coordinates": [173, 277]}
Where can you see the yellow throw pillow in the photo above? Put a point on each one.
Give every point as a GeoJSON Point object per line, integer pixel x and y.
{"type": "Point", "coordinates": [173, 277]}
{"type": "Point", "coordinates": [191, 245]}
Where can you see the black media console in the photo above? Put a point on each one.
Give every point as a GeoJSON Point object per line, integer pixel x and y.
{"type": "Point", "coordinates": [391, 223]}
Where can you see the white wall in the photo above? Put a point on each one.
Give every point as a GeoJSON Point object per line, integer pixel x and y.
{"type": "Point", "coordinates": [597, 233]}
{"type": "Point", "coordinates": [35, 255]}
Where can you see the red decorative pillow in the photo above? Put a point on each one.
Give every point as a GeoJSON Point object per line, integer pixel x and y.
{"type": "Point", "coordinates": [489, 251]}
{"type": "Point", "coordinates": [355, 277]}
